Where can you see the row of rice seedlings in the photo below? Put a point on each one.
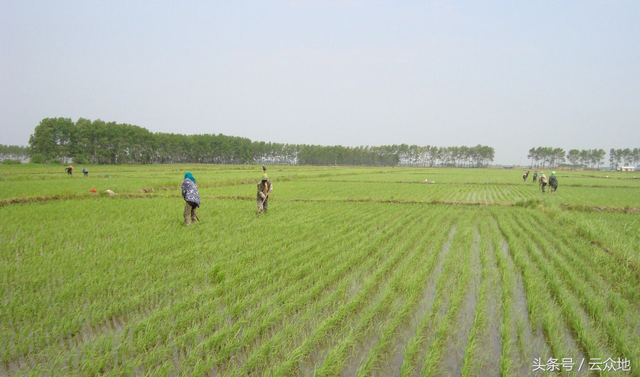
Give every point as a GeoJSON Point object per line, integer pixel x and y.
{"type": "Point", "coordinates": [125, 180]}
{"type": "Point", "coordinates": [616, 279]}
{"type": "Point", "coordinates": [457, 193]}
{"type": "Point", "coordinates": [505, 193]}
{"type": "Point", "coordinates": [616, 324]}
{"type": "Point", "coordinates": [622, 236]}
{"type": "Point", "coordinates": [489, 194]}
{"type": "Point", "coordinates": [340, 318]}
{"type": "Point", "coordinates": [448, 281]}
{"type": "Point", "coordinates": [419, 337]}
{"type": "Point", "coordinates": [365, 322]}
{"type": "Point", "coordinates": [378, 308]}
{"type": "Point", "coordinates": [395, 355]}
{"type": "Point", "coordinates": [303, 299]}
{"type": "Point", "coordinates": [189, 321]}
{"type": "Point", "coordinates": [98, 290]}
{"type": "Point", "coordinates": [543, 308]}
{"type": "Point", "coordinates": [522, 192]}
{"type": "Point", "coordinates": [507, 274]}
{"type": "Point", "coordinates": [429, 192]}
{"type": "Point", "coordinates": [36, 336]}
{"type": "Point", "coordinates": [53, 349]}
{"type": "Point", "coordinates": [406, 288]}
{"type": "Point", "coordinates": [253, 316]}
{"type": "Point", "coordinates": [590, 337]}
{"type": "Point", "coordinates": [472, 361]}
{"type": "Point", "coordinates": [297, 325]}
{"type": "Point", "coordinates": [415, 192]}
{"type": "Point", "coordinates": [433, 364]}
{"type": "Point", "coordinates": [451, 193]}
{"type": "Point", "coordinates": [509, 193]}
{"type": "Point", "coordinates": [220, 335]}
{"type": "Point", "coordinates": [85, 282]}
{"type": "Point", "coordinates": [238, 256]}
{"type": "Point", "coordinates": [371, 191]}
{"type": "Point", "coordinates": [613, 196]}
{"type": "Point", "coordinates": [459, 339]}
{"type": "Point", "coordinates": [89, 320]}
{"type": "Point", "coordinates": [379, 356]}
{"type": "Point", "coordinates": [500, 194]}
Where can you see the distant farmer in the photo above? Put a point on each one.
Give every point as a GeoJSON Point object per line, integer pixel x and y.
{"type": "Point", "coordinates": [525, 175]}
{"type": "Point", "coordinates": [85, 172]}
{"type": "Point", "coordinates": [543, 181]}
{"type": "Point", "coordinates": [535, 176]}
{"type": "Point", "coordinates": [69, 169]}
{"type": "Point", "coordinates": [191, 197]}
{"type": "Point", "coordinates": [264, 189]}
{"type": "Point", "coordinates": [553, 182]}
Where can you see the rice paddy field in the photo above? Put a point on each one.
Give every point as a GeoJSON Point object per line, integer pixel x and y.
{"type": "Point", "coordinates": [351, 272]}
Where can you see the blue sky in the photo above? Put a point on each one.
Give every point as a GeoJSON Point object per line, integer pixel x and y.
{"type": "Point", "coordinates": [512, 75]}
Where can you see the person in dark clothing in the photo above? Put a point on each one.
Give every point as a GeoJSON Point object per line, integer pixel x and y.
{"type": "Point", "coordinates": [525, 176]}
{"type": "Point", "coordinates": [85, 172]}
{"type": "Point", "coordinates": [264, 189]}
{"type": "Point", "coordinates": [553, 182]}
{"type": "Point", "coordinates": [191, 197]}
{"type": "Point", "coordinates": [535, 176]}
{"type": "Point", "coordinates": [69, 170]}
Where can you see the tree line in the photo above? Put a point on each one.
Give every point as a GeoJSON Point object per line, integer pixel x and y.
{"type": "Point", "coordinates": [593, 158]}
{"type": "Point", "coordinates": [626, 157]}
{"type": "Point", "coordinates": [99, 142]}
{"type": "Point", "coordinates": [14, 152]}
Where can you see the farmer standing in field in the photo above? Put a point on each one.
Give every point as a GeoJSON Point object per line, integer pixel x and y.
{"type": "Point", "coordinates": [535, 176]}
{"type": "Point", "coordinates": [191, 197]}
{"type": "Point", "coordinates": [553, 182]}
{"type": "Point", "coordinates": [264, 189]}
{"type": "Point", "coordinates": [543, 181]}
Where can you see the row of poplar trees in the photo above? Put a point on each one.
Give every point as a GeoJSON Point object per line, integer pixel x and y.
{"type": "Point", "coordinates": [594, 158]}
{"type": "Point", "coordinates": [14, 152]}
{"type": "Point", "coordinates": [86, 141]}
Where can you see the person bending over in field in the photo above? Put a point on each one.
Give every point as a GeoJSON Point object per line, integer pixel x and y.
{"type": "Point", "coordinates": [85, 172]}
{"type": "Point", "coordinates": [553, 182]}
{"type": "Point", "coordinates": [69, 170]}
{"type": "Point", "coordinates": [264, 189]}
{"type": "Point", "coordinates": [191, 197]}
{"type": "Point", "coordinates": [535, 176]}
{"type": "Point", "coordinates": [525, 175]}
{"type": "Point", "coordinates": [543, 181]}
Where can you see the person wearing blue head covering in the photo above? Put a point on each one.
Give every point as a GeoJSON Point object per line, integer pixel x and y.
{"type": "Point", "coordinates": [191, 197]}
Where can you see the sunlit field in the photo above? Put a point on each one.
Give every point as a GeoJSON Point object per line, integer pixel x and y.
{"type": "Point", "coordinates": [352, 271]}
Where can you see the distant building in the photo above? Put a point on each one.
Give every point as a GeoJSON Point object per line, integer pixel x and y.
{"type": "Point", "coordinates": [626, 168]}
